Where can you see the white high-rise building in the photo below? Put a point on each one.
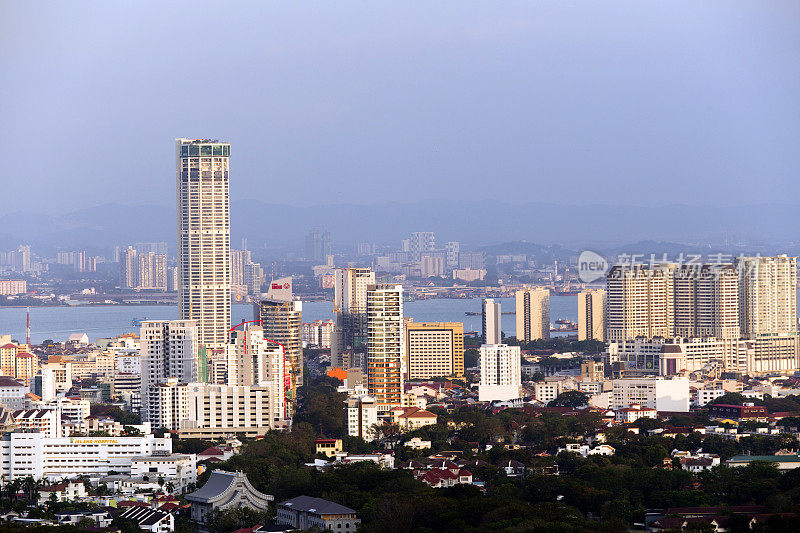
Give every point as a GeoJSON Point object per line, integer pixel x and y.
{"type": "Point", "coordinates": [491, 314]}
{"type": "Point", "coordinates": [591, 315]}
{"type": "Point", "coordinates": [204, 260]}
{"type": "Point", "coordinates": [501, 373]}
{"type": "Point", "coordinates": [169, 349]}
{"type": "Point", "coordinates": [533, 314]}
{"type": "Point", "coordinates": [385, 344]}
{"type": "Point", "coordinates": [350, 304]}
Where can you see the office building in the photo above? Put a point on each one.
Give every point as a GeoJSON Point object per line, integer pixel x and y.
{"type": "Point", "coordinates": [501, 373]}
{"type": "Point", "coordinates": [491, 315]}
{"type": "Point", "coordinates": [385, 344]}
{"type": "Point", "coordinates": [282, 322]}
{"type": "Point", "coordinates": [350, 306]}
{"type": "Point", "coordinates": [204, 292]}
{"type": "Point", "coordinates": [434, 349]}
{"type": "Point", "coordinates": [169, 349]}
{"type": "Point", "coordinates": [533, 314]}
{"type": "Point", "coordinates": [591, 315]}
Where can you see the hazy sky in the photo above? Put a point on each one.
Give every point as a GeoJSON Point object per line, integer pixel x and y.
{"type": "Point", "coordinates": [644, 102]}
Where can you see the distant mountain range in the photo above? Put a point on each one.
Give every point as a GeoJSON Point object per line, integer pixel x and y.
{"type": "Point", "coordinates": [474, 224]}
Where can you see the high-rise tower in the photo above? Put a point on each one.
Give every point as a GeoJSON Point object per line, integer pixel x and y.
{"type": "Point", "coordinates": [204, 260]}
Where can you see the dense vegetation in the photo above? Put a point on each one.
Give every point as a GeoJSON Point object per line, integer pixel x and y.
{"type": "Point", "coordinates": [589, 494]}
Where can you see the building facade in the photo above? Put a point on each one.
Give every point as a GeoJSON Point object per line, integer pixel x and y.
{"type": "Point", "coordinates": [533, 314]}
{"type": "Point", "coordinates": [204, 292]}
{"type": "Point", "coordinates": [591, 315]}
{"type": "Point", "coordinates": [385, 344]}
{"type": "Point", "coordinates": [501, 373]}
{"type": "Point", "coordinates": [434, 349]}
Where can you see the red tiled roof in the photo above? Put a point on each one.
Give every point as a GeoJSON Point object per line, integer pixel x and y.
{"type": "Point", "coordinates": [211, 451]}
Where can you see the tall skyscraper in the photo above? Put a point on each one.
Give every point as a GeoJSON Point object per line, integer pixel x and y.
{"type": "Point", "coordinates": [533, 314]}
{"type": "Point", "coordinates": [767, 295]}
{"type": "Point", "coordinates": [350, 304]}
{"type": "Point", "coordinates": [204, 295]}
{"type": "Point", "coordinates": [491, 314]}
{"type": "Point", "coordinates": [639, 302]}
{"type": "Point", "coordinates": [434, 349]}
{"type": "Point", "coordinates": [706, 301]}
{"type": "Point", "coordinates": [591, 315]}
{"type": "Point", "coordinates": [282, 321]}
{"type": "Point", "coordinates": [128, 268]}
{"type": "Point", "coordinates": [501, 373]}
{"type": "Point", "coordinates": [385, 344]}
{"type": "Point", "coordinates": [169, 349]}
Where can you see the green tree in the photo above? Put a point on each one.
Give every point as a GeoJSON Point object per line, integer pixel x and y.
{"type": "Point", "coordinates": [570, 398]}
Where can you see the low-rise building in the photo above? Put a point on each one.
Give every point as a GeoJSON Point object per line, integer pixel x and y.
{"type": "Point", "coordinates": [154, 520]}
{"type": "Point", "coordinates": [328, 447]}
{"type": "Point", "coordinates": [62, 492]}
{"type": "Point", "coordinates": [178, 468]}
{"type": "Point", "coordinates": [305, 512]}
{"type": "Point", "coordinates": [633, 413]}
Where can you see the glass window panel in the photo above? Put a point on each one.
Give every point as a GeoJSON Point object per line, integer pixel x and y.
{"type": "Point", "coordinates": [194, 149]}
{"type": "Point", "coordinates": [205, 150]}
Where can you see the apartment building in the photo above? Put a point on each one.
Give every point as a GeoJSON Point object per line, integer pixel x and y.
{"type": "Point", "coordinates": [501, 373]}
{"type": "Point", "coordinates": [385, 344]}
{"type": "Point", "coordinates": [591, 315]}
{"type": "Point", "coordinates": [533, 314]}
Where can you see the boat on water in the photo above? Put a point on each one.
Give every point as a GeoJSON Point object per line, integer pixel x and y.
{"type": "Point", "coordinates": [137, 322]}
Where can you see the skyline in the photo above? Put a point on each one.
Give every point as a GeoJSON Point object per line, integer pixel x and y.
{"type": "Point", "coordinates": [356, 106]}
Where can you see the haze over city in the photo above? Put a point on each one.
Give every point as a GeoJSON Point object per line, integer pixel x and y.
{"type": "Point", "coordinates": [387, 267]}
{"type": "Point", "coordinates": [618, 103]}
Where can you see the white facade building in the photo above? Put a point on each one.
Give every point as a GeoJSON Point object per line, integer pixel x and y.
{"type": "Point", "coordinates": [34, 454]}
{"type": "Point", "coordinates": [169, 349]}
{"type": "Point", "coordinates": [491, 315]}
{"type": "Point", "coordinates": [501, 373]}
{"type": "Point", "coordinates": [655, 393]}
{"type": "Point", "coordinates": [180, 469]}
{"type": "Point", "coordinates": [362, 415]}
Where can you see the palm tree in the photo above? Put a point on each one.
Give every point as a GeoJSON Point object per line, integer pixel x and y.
{"type": "Point", "coordinates": [170, 487]}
